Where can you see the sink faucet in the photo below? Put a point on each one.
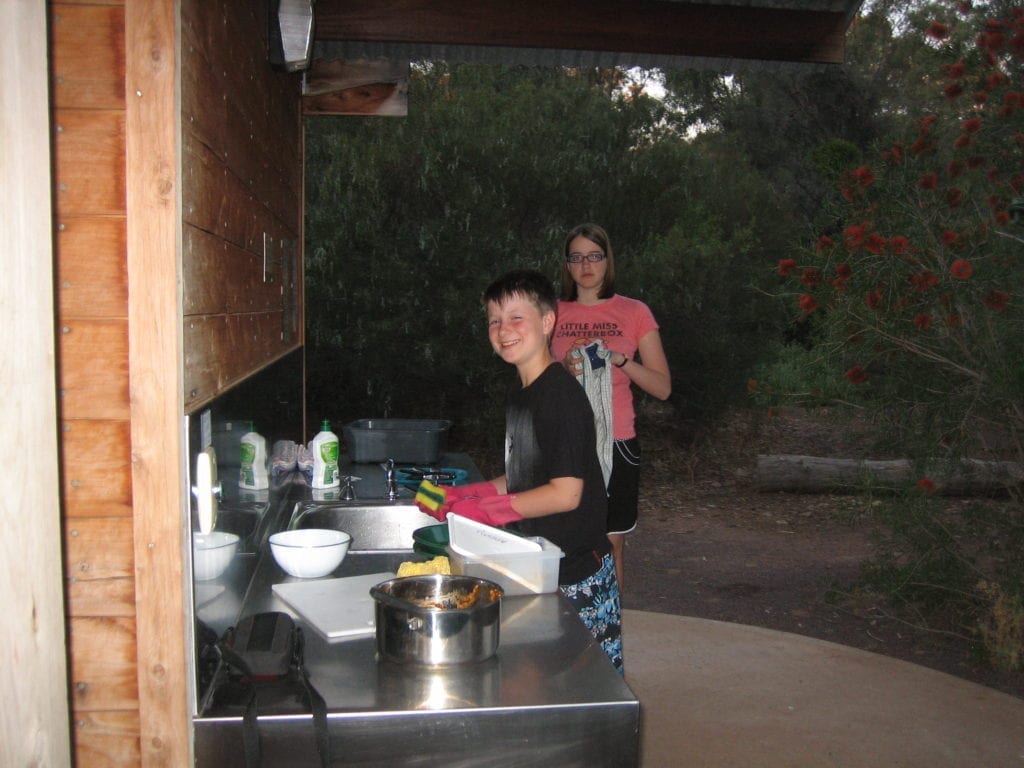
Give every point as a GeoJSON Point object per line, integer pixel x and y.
{"type": "Point", "coordinates": [389, 479]}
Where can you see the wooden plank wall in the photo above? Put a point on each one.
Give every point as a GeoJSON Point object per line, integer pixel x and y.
{"type": "Point", "coordinates": [88, 117]}
{"type": "Point", "coordinates": [242, 197]}
{"type": "Point", "coordinates": [241, 186]}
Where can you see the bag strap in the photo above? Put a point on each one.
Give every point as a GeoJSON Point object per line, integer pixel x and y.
{"type": "Point", "coordinates": [297, 673]}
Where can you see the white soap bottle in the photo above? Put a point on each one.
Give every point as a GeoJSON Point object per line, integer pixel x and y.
{"type": "Point", "coordinates": [325, 450]}
{"type": "Point", "coordinates": [253, 472]}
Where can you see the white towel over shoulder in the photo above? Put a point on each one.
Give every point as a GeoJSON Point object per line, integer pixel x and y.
{"type": "Point", "coordinates": [596, 378]}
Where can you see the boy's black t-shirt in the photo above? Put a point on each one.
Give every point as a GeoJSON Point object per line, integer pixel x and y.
{"type": "Point", "coordinates": [549, 433]}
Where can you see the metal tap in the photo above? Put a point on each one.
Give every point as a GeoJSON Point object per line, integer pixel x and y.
{"type": "Point", "coordinates": [390, 480]}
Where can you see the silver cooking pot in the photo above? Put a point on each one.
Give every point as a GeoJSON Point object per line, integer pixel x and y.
{"type": "Point", "coordinates": [437, 620]}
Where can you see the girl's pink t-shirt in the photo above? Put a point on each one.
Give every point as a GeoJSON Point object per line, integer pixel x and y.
{"type": "Point", "coordinates": [620, 322]}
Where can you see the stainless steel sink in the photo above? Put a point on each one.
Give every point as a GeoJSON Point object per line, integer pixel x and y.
{"type": "Point", "coordinates": [375, 525]}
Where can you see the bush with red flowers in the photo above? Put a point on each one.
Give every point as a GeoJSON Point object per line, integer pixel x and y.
{"type": "Point", "coordinates": [922, 311]}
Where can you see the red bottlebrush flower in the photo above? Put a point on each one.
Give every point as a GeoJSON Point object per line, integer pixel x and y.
{"type": "Point", "coordinates": [997, 300]}
{"type": "Point", "coordinates": [955, 168]}
{"type": "Point", "coordinates": [864, 176]}
{"type": "Point", "coordinates": [1016, 182]}
{"type": "Point", "coordinates": [823, 243]}
{"type": "Point", "coordinates": [875, 243]}
{"type": "Point", "coordinates": [786, 267]}
{"type": "Point", "coordinates": [928, 181]}
{"type": "Point", "coordinates": [973, 125]}
{"type": "Point", "coordinates": [954, 197]}
{"type": "Point", "coordinates": [922, 320]}
{"type": "Point", "coordinates": [751, 385]}
{"type": "Point", "coordinates": [810, 277]}
{"type": "Point", "coordinates": [839, 283]}
{"type": "Point", "coordinates": [873, 299]}
{"type": "Point", "coordinates": [922, 281]}
{"type": "Point", "coordinates": [1013, 100]}
{"type": "Point", "coordinates": [964, 7]}
{"type": "Point", "coordinates": [992, 40]}
{"type": "Point", "coordinates": [980, 97]}
{"type": "Point", "coordinates": [954, 71]}
{"type": "Point", "coordinates": [894, 154]}
{"type": "Point", "coordinates": [937, 30]}
{"type": "Point", "coordinates": [953, 321]}
{"type": "Point", "coordinates": [856, 375]}
{"type": "Point", "coordinates": [843, 270]}
{"type": "Point", "coordinates": [1002, 218]}
{"type": "Point", "coordinates": [994, 80]}
{"type": "Point", "coordinates": [963, 140]}
{"type": "Point", "coordinates": [961, 269]}
{"type": "Point", "coordinates": [853, 236]}
{"type": "Point", "coordinates": [926, 486]}
{"type": "Point", "coordinates": [953, 90]}
{"type": "Point", "coordinates": [920, 146]}
{"type": "Point", "coordinates": [807, 303]}
{"type": "Point", "coordinates": [949, 237]}
{"type": "Point", "coordinates": [899, 244]}
{"type": "Point", "coordinates": [924, 124]}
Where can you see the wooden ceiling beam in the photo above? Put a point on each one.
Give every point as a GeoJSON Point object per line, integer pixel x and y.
{"type": "Point", "coordinates": [641, 26]}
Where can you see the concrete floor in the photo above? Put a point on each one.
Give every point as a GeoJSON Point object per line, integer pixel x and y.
{"type": "Point", "coordinates": [723, 695]}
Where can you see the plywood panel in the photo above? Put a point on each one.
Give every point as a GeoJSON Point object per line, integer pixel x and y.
{"type": "Point", "coordinates": [219, 277]}
{"type": "Point", "coordinates": [103, 673]}
{"type": "Point", "coordinates": [107, 739]}
{"type": "Point", "coordinates": [79, 507]}
{"type": "Point", "coordinates": [94, 369]}
{"type": "Point", "coordinates": [89, 155]}
{"type": "Point", "coordinates": [96, 457]}
{"type": "Point", "coordinates": [203, 345]}
{"type": "Point", "coordinates": [98, 548]}
{"type": "Point", "coordinates": [214, 199]}
{"type": "Point", "coordinates": [87, 65]}
{"type": "Point", "coordinates": [92, 278]}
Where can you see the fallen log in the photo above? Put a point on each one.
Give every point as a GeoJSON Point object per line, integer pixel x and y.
{"type": "Point", "coordinates": [815, 474]}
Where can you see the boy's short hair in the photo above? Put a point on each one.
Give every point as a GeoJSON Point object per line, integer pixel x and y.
{"type": "Point", "coordinates": [527, 283]}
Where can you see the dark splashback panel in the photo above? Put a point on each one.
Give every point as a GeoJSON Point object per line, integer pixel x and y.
{"type": "Point", "coordinates": [271, 400]}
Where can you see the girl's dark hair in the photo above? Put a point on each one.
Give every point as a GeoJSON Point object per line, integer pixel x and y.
{"type": "Point", "coordinates": [523, 282]}
{"type": "Point", "coordinates": [595, 234]}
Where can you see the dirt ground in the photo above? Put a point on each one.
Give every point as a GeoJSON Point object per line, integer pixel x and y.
{"type": "Point", "coordinates": [710, 545]}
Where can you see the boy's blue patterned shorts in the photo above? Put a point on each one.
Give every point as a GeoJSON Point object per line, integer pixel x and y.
{"type": "Point", "coordinates": [596, 600]}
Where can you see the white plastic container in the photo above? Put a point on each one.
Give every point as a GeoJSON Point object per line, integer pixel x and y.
{"type": "Point", "coordinates": [325, 450]}
{"type": "Point", "coordinates": [518, 573]}
{"type": "Point", "coordinates": [253, 473]}
{"type": "Point", "coordinates": [473, 539]}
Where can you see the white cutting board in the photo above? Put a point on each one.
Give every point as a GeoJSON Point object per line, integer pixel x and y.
{"type": "Point", "coordinates": [336, 608]}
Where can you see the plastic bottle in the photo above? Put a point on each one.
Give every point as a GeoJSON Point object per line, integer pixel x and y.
{"type": "Point", "coordinates": [253, 471]}
{"type": "Point", "coordinates": [325, 450]}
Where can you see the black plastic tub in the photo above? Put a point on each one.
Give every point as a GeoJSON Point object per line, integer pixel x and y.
{"type": "Point", "coordinates": [406, 441]}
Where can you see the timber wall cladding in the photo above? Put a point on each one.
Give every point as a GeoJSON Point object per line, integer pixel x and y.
{"type": "Point", "coordinates": [87, 85]}
{"type": "Point", "coordinates": [241, 198]}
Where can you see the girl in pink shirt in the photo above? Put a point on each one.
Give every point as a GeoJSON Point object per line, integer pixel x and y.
{"type": "Point", "coordinates": [590, 310]}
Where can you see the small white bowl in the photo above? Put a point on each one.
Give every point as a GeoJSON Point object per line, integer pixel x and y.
{"type": "Point", "coordinates": [212, 553]}
{"type": "Point", "coordinates": [309, 553]}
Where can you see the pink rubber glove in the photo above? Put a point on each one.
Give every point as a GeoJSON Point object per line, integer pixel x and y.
{"type": "Point", "coordinates": [491, 510]}
{"type": "Point", "coordinates": [472, 491]}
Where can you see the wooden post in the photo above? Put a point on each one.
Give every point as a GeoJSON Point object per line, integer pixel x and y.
{"type": "Point", "coordinates": [155, 379]}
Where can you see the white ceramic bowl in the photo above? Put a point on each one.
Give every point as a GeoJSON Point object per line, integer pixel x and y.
{"type": "Point", "coordinates": [309, 553]}
{"type": "Point", "coordinates": [212, 553]}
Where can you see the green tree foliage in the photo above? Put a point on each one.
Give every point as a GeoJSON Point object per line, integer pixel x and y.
{"type": "Point", "coordinates": [408, 220]}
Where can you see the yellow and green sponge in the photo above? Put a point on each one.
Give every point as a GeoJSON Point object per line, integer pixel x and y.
{"type": "Point", "coordinates": [431, 496]}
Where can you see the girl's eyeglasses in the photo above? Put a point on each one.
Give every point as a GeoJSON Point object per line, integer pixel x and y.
{"type": "Point", "coordinates": [576, 258]}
